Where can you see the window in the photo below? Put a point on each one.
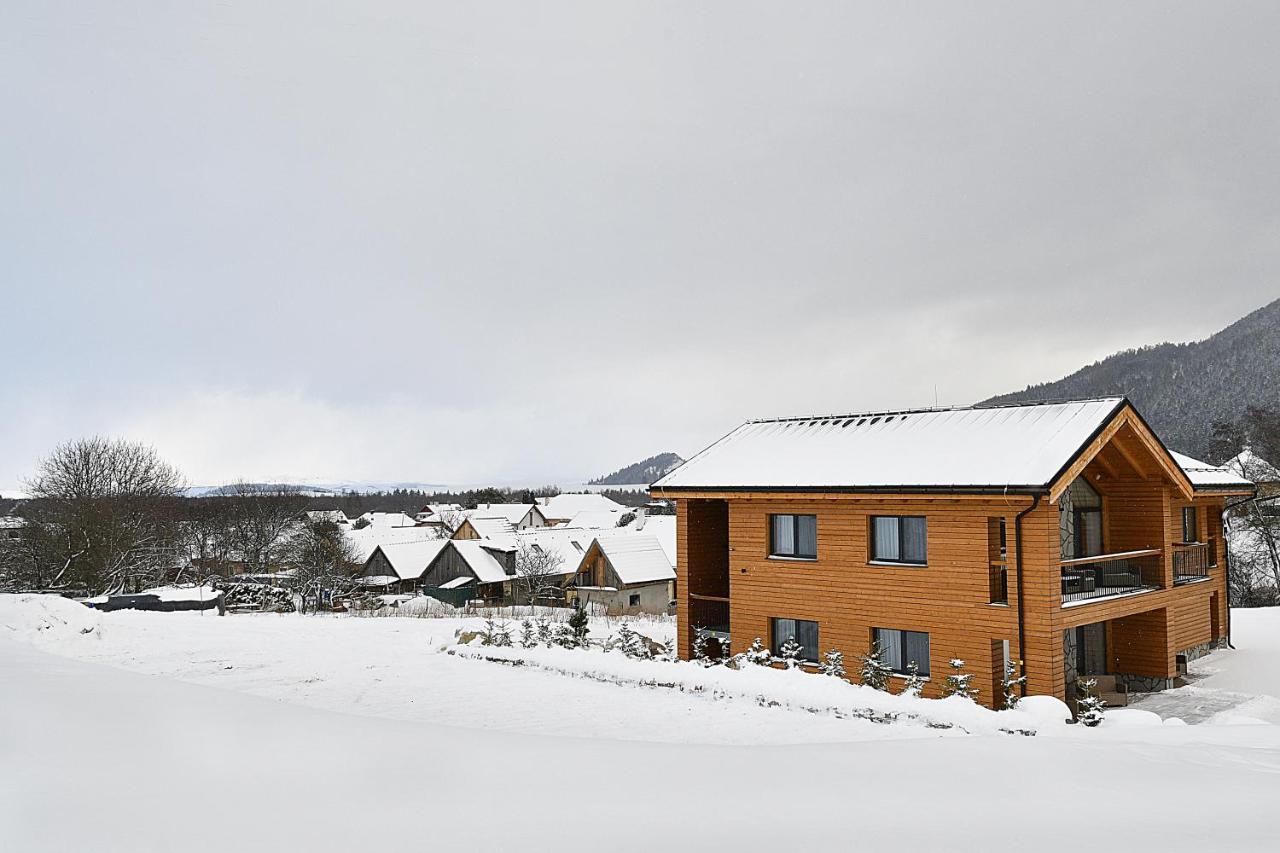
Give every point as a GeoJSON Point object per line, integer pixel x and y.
{"type": "Point", "coordinates": [633, 600]}
{"type": "Point", "coordinates": [584, 578]}
{"type": "Point", "coordinates": [899, 648]}
{"type": "Point", "coordinates": [804, 633]}
{"type": "Point", "coordinates": [899, 539]}
{"type": "Point", "coordinates": [1190, 528]}
{"type": "Point", "coordinates": [793, 536]}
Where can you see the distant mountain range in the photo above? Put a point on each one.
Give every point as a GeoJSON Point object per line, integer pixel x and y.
{"type": "Point", "coordinates": [1181, 389]}
{"type": "Point", "coordinates": [645, 471]}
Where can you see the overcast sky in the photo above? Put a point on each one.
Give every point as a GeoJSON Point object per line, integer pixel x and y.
{"type": "Point", "coordinates": [480, 241]}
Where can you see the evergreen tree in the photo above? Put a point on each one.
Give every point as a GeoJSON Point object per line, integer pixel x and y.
{"type": "Point", "coordinates": [1010, 683]}
{"type": "Point", "coordinates": [544, 632]}
{"type": "Point", "coordinates": [578, 624]}
{"type": "Point", "coordinates": [757, 653]}
{"type": "Point", "coordinates": [526, 634]}
{"type": "Point", "coordinates": [833, 664]}
{"type": "Point", "coordinates": [669, 650]}
{"type": "Point", "coordinates": [873, 673]}
{"type": "Point", "coordinates": [790, 652]}
{"type": "Point", "coordinates": [914, 684]}
{"type": "Point", "coordinates": [700, 647]}
{"type": "Point", "coordinates": [1089, 705]}
{"type": "Point", "coordinates": [958, 682]}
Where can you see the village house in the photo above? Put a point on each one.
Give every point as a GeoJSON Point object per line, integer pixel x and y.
{"type": "Point", "coordinates": [1063, 535]}
{"type": "Point", "coordinates": [521, 516]}
{"type": "Point", "coordinates": [625, 573]}
{"type": "Point", "coordinates": [561, 508]}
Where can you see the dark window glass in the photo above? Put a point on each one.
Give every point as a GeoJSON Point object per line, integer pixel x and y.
{"type": "Point", "coordinates": [900, 539]}
{"type": "Point", "coordinates": [793, 536]}
{"type": "Point", "coordinates": [803, 632]}
{"type": "Point", "coordinates": [1190, 527]}
{"type": "Point", "coordinates": [633, 600]}
{"type": "Point", "coordinates": [900, 648]}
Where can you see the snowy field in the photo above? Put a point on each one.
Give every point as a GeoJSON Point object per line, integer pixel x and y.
{"type": "Point", "coordinates": [182, 731]}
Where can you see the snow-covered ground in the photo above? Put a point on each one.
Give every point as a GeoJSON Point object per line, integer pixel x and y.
{"type": "Point", "coordinates": [318, 733]}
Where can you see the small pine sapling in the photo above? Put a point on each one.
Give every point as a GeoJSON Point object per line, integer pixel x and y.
{"type": "Point", "coordinates": [501, 636]}
{"type": "Point", "coordinates": [578, 624]}
{"type": "Point", "coordinates": [757, 653]}
{"type": "Point", "coordinates": [791, 652]}
{"type": "Point", "coordinates": [1089, 705]}
{"type": "Point", "coordinates": [1011, 684]}
{"type": "Point", "coordinates": [914, 684]}
{"type": "Point", "coordinates": [833, 664]}
{"type": "Point", "coordinates": [873, 673]}
{"type": "Point", "coordinates": [700, 653]}
{"type": "Point", "coordinates": [527, 639]}
{"type": "Point", "coordinates": [544, 632]}
{"type": "Point", "coordinates": [958, 682]}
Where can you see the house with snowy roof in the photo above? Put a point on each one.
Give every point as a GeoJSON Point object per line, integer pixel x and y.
{"type": "Point", "coordinates": [624, 573]}
{"type": "Point", "coordinates": [559, 509]}
{"type": "Point", "coordinates": [521, 516]}
{"type": "Point", "coordinates": [1063, 539]}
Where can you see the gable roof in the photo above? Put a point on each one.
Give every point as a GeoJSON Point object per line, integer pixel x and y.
{"type": "Point", "coordinates": [513, 513]}
{"type": "Point", "coordinates": [1014, 447]}
{"type": "Point", "coordinates": [567, 505]}
{"type": "Point", "coordinates": [1206, 477]}
{"type": "Point", "coordinates": [595, 519]}
{"type": "Point", "coordinates": [571, 544]}
{"type": "Point", "coordinates": [410, 559]}
{"type": "Point", "coordinates": [636, 557]}
{"type": "Point", "coordinates": [662, 528]}
{"type": "Point", "coordinates": [480, 557]}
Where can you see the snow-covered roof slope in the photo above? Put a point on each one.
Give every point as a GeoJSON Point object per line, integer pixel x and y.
{"type": "Point", "coordinates": [947, 448]}
{"type": "Point", "coordinates": [365, 539]}
{"type": "Point", "coordinates": [1253, 467]}
{"type": "Point", "coordinates": [662, 528]}
{"type": "Point", "coordinates": [595, 519]}
{"type": "Point", "coordinates": [492, 528]}
{"type": "Point", "coordinates": [410, 559]}
{"type": "Point", "coordinates": [388, 519]}
{"type": "Point", "coordinates": [570, 544]}
{"type": "Point", "coordinates": [479, 555]}
{"type": "Point", "coordinates": [1205, 476]}
{"type": "Point", "coordinates": [565, 506]}
{"type": "Point", "coordinates": [513, 513]}
{"type": "Point", "coordinates": [336, 516]}
{"type": "Point", "coordinates": [636, 557]}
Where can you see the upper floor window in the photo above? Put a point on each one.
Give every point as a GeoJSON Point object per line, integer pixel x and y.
{"type": "Point", "coordinates": [899, 539]}
{"type": "Point", "coordinates": [1190, 526]}
{"type": "Point", "coordinates": [803, 632]}
{"type": "Point", "coordinates": [793, 536]}
{"type": "Point", "coordinates": [1080, 520]}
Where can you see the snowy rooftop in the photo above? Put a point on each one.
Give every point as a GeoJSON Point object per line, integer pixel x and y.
{"type": "Point", "coordinates": [364, 540]}
{"type": "Point", "coordinates": [410, 559]}
{"type": "Point", "coordinates": [1205, 476]}
{"type": "Point", "coordinates": [480, 556]}
{"type": "Point", "coordinates": [660, 527]}
{"type": "Point", "coordinates": [1253, 467]}
{"type": "Point", "coordinates": [935, 448]}
{"type": "Point", "coordinates": [492, 528]}
{"type": "Point", "coordinates": [513, 513]}
{"type": "Point", "coordinates": [636, 557]}
{"type": "Point", "coordinates": [388, 519]}
{"type": "Point", "coordinates": [569, 543]}
{"type": "Point", "coordinates": [566, 506]}
{"type": "Point", "coordinates": [595, 519]}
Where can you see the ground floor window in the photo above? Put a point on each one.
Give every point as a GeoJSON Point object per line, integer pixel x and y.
{"type": "Point", "coordinates": [900, 648]}
{"type": "Point", "coordinates": [633, 600]}
{"type": "Point", "coordinates": [803, 632]}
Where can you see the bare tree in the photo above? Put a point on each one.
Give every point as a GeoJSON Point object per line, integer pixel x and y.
{"type": "Point", "coordinates": [114, 505]}
{"type": "Point", "coordinates": [324, 561]}
{"type": "Point", "coordinates": [536, 570]}
{"type": "Point", "coordinates": [263, 520]}
{"type": "Point", "coordinates": [450, 520]}
{"type": "Point", "coordinates": [207, 532]}
{"type": "Point", "coordinates": [1254, 445]}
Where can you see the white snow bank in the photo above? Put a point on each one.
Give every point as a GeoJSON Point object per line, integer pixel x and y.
{"type": "Point", "coordinates": [169, 593]}
{"type": "Point", "coordinates": [38, 618]}
{"type": "Point", "coordinates": [793, 689]}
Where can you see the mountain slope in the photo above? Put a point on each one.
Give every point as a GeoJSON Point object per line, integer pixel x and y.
{"type": "Point", "coordinates": [1181, 389]}
{"type": "Point", "coordinates": [644, 471]}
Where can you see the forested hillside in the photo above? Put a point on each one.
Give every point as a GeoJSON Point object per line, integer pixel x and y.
{"type": "Point", "coordinates": [1181, 389]}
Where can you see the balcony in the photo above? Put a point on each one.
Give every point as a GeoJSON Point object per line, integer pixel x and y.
{"type": "Point", "coordinates": [1191, 561]}
{"type": "Point", "coordinates": [1105, 575]}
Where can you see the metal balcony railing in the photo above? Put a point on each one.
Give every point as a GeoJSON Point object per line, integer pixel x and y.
{"type": "Point", "coordinates": [1105, 575]}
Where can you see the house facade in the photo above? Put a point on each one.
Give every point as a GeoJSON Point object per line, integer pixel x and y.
{"type": "Point", "coordinates": [1062, 536]}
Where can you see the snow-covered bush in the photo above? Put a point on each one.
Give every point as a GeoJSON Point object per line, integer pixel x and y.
{"type": "Point", "coordinates": [958, 682]}
{"type": "Point", "coordinates": [1011, 684]}
{"type": "Point", "coordinates": [757, 653]}
{"type": "Point", "coordinates": [873, 673]}
{"type": "Point", "coordinates": [495, 634]}
{"type": "Point", "coordinates": [914, 684]}
{"type": "Point", "coordinates": [833, 664]}
{"type": "Point", "coordinates": [527, 638]}
{"type": "Point", "coordinates": [790, 652]}
{"type": "Point", "coordinates": [1089, 705]}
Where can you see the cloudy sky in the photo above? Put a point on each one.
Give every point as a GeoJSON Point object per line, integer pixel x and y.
{"type": "Point", "coordinates": [460, 242]}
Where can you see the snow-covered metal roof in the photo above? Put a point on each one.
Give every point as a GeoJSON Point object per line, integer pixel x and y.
{"type": "Point", "coordinates": [636, 557]}
{"type": "Point", "coordinates": [513, 513]}
{"type": "Point", "coordinates": [479, 556]}
{"type": "Point", "coordinates": [1208, 477]}
{"type": "Point", "coordinates": [958, 448]}
{"type": "Point", "coordinates": [567, 505]}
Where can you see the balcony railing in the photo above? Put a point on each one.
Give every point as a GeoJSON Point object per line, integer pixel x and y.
{"type": "Point", "coordinates": [1104, 575]}
{"type": "Point", "coordinates": [1191, 561]}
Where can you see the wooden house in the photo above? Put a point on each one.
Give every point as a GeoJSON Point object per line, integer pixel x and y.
{"type": "Point", "coordinates": [1063, 537]}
